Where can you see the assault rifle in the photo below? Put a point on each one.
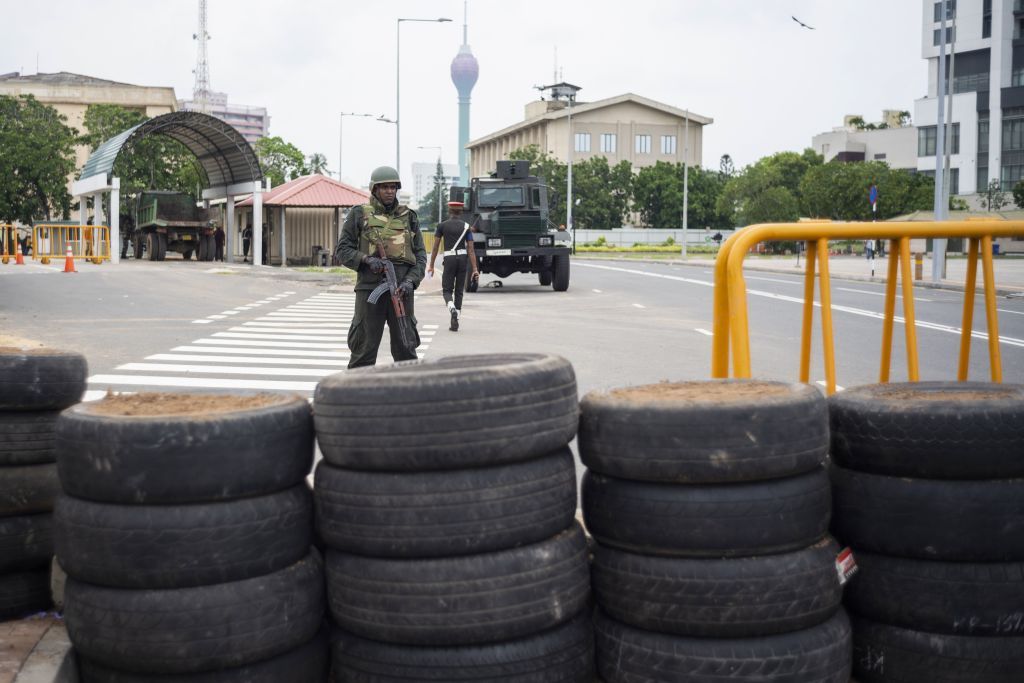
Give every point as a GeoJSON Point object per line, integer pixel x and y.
{"type": "Point", "coordinates": [406, 330]}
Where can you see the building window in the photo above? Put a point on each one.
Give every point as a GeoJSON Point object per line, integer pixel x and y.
{"type": "Point", "coordinates": [668, 144]}
{"type": "Point", "coordinates": [1012, 157]}
{"type": "Point", "coordinates": [986, 19]}
{"type": "Point", "coordinates": [880, 157]}
{"type": "Point", "coordinates": [926, 140]}
{"type": "Point", "coordinates": [937, 36]}
{"type": "Point", "coordinates": [954, 179]}
{"type": "Point", "coordinates": [608, 143]}
{"type": "Point", "coordinates": [582, 142]}
{"type": "Point", "coordinates": [950, 10]}
{"type": "Point", "coordinates": [643, 144]}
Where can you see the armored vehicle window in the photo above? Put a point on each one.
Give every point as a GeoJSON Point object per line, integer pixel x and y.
{"type": "Point", "coordinates": [536, 197]}
{"type": "Point", "coordinates": [503, 196]}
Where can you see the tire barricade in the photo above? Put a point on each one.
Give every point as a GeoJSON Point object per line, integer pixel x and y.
{"type": "Point", "coordinates": [709, 505]}
{"type": "Point", "coordinates": [185, 529]}
{"type": "Point", "coordinates": [35, 384]}
{"type": "Point", "coordinates": [446, 501]}
{"type": "Point", "coordinates": [928, 482]}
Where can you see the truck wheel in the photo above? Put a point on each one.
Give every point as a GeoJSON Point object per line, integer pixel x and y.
{"type": "Point", "coordinates": [152, 246]}
{"type": "Point", "coordinates": [138, 246]}
{"type": "Point", "coordinates": [560, 267]}
{"type": "Point", "coordinates": [545, 277]}
{"type": "Point", "coordinates": [162, 241]}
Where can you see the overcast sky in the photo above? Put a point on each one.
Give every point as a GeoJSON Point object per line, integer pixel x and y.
{"type": "Point", "coordinates": [768, 83]}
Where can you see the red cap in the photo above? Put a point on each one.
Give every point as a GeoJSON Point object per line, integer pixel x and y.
{"type": "Point", "coordinates": [458, 204]}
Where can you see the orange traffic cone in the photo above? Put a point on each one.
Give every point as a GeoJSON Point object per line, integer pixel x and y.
{"type": "Point", "coordinates": [19, 260]}
{"type": "Point", "coordinates": [69, 261]}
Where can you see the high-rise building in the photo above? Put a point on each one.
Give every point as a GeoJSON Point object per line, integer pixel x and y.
{"type": "Point", "coordinates": [251, 121]}
{"type": "Point", "coordinates": [465, 72]}
{"type": "Point", "coordinates": [985, 54]}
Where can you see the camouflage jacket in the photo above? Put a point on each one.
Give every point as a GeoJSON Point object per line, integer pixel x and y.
{"type": "Point", "coordinates": [355, 243]}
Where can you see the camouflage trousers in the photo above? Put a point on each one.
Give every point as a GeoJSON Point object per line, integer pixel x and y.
{"type": "Point", "coordinates": [367, 330]}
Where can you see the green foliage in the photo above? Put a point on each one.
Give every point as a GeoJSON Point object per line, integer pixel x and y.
{"type": "Point", "coordinates": [428, 211]}
{"type": "Point", "coordinates": [1018, 194]}
{"type": "Point", "coordinates": [553, 172]}
{"type": "Point", "coordinates": [778, 178]}
{"type": "Point", "coordinates": [726, 168]}
{"type": "Point", "coordinates": [603, 192]}
{"type": "Point", "coordinates": [992, 197]}
{"type": "Point", "coordinates": [839, 191]}
{"type": "Point", "coordinates": [317, 164]}
{"type": "Point", "coordinates": [36, 158]}
{"type": "Point", "coordinates": [658, 196]}
{"type": "Point", "coordinates": [281, 161]}
{"type": "Point", "coordinates": [957, 204]}
{"type": "Point", "coordinates": [155, 162]}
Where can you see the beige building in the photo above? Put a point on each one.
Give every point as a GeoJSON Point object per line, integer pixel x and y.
{"type": "Point", "coordinates": [896, 144]}
{"type": "Point", "coordinates": [71, 94]}
{"type": "Point", "coordinates": [628, 127]}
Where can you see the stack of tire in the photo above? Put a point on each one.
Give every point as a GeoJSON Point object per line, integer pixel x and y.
{"type": "Point", "coordinates": [185, 528]}
{"type": "Point", "coordinates": [446, 499]}
{"type": "Point", "coordinates": [928, 486]}
{"type": "Point", "coordinates": [35, 385]}
{"type": "Point", "coordinates": [710, 506]}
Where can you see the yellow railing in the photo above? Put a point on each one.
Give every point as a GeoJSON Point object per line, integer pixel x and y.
{"type": "Point", "coordinates": [8, 237]}
{"type": "Point", "coordinates": [91, 242]}
{"type": "Point", "coordinates": [730, 296]}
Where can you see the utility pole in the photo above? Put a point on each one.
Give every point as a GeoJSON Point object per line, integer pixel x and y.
{"type": "Point", "coordinates": [686, 176]}
{"type": "Point", "coordinates": [938, 260]}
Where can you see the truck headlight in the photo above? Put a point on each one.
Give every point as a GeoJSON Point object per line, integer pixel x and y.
{"type": "Point", "coordinates": [545, 241]}
{"type": "Point", "coordinates": [493, 241]}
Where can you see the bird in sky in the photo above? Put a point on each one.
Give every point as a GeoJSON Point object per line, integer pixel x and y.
{"type": "Point", "coordinates": [801, 23]}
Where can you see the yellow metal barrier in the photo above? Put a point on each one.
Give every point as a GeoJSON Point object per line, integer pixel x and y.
{"type": "Point", "coordinates": [8, 233]}
{"type": "Point", "coordinates": [730, 295]}
{"type": "Point", "coordinates": [90, 242]}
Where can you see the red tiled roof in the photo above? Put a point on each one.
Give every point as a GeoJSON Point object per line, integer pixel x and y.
{"type": "Point", "coordinates": [313, 190]}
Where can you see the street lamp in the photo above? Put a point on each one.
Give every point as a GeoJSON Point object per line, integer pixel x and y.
{"type": "Point", "coordinates": [398, 78]}
{"type": "Point", "coordinates": [341, 120]}
{"type": "Point", "coordinates": [437, 187]}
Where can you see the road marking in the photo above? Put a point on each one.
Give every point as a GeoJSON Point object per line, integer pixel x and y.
{"type": "Point", "coordinates": [280, 337]}
{"type": "Point", "coordinates": [216, 317]}
{"type": "Point", "coordinates": [278, 345]}
{"type": "Point", "coordinates": [226, 369]}
{"type": "Point", "coordinates": [230, 312]}
{"type": "Point", "coordinates": [202, 322]}
{"type": "Point", "coordinates": [242, 359]}
{"type": "Point", "coordinates": [639, 306]}
{"type": "Point", "coordinates": [772, 279]}
{"type": "Point", "coordinates": [292, 331]}
{"type": "Point", "coordinates": [97, 394]}
{"type": "Point", "coordinates": [864, 291]}
{"type": "Point", "coordinates": [597, 291]}
{"type": "Point", "coordinates": [1009, 311]}
{"type": "Point", "coordinates": [257, 351]}
{"type": "Point", "coordinates": [825, 384]}
{"type": "Point", "coordinates": [306, 323]}
{"type": "Point", "coordinates": [704, 332]}
{"type": "Point", "coordinates": [1011, 341]}
{"type": "Point", "coordinates": [201, 382]}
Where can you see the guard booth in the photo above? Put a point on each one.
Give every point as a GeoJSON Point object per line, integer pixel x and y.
{"type": "Point", "coordinates": [228, 160]}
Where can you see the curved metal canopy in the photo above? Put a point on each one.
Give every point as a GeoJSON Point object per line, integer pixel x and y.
{"type": "Point", "coordinates": [221, 150]}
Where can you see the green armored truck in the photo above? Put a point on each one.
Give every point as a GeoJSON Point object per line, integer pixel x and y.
{"type": "Point", "coordinates": [511, 230]}
{"type": "Point", "coordinates": [171, 221]}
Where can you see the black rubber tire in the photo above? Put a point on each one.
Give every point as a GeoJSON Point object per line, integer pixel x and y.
{"type": "Point", "coordinates": [712, 598]}
{"type": "Point", "coordinates": [445, 514]}
{"type": "Point", "coordinates": [28, 437]}
{"type": "Point", "coordinates": [308, 663]}
{"type": "Point", "coordinates": [929, 519]}
{"type": "Point", "coordinates": [28, 489]}
{"type": "Point", "coordinates": [26, 542]}
{"type": "Point", "coordinates": [520, 406]}
{"type": "Point", "coordinates": [137, 247]}
{"type": "Point", "coordinates": [41, 379]}
{"type": "Point", "coordinates": [187, 630]}
{"type": "Point", "coordinates": [179, 546]}
{"type": "Point", "coordinates": [704, 432]}
{"type": "Point", "coordinates": [564, 654]}
{"type": "Point", "coordinates": [469, 600]}
{"type": "Point", "coordinates": [560, 272]}
{"type": "Point", "coordinates": [820, 654]}
{"type": "Point", "coordinates": [889, 654]}
{"type": "Point", "coordinates": [24, 593]}
{"type": "Point", "coordinates": [152, 246]}
{"type": "Point", "coordinates": [931, 430]}
{"type": "Point", "coordinates": [185, 459]}
{"type": "Point", "coordinates": [956, 598]}
{"type": "Point", "coordinates": [725, 520]}
{"type": "Point", "coordinates": [544, 277]}
{"type": "Point", "coordinates": [162, 243]}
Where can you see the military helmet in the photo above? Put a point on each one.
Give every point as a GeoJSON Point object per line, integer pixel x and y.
{"type": "Point", "coordinates": [384, 174]}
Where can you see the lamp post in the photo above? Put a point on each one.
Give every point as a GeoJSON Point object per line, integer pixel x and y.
{"type": "Point", "coordinates": [398, 89]}
{"type": "Point", "coordinates": [341, 120]}
{"type": "Point", "coordinates": [686, 177]}
{"type": "Point", "coordinates": [437, 187]}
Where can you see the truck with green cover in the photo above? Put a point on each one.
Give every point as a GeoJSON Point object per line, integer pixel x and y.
{"type": "Point", "coordinates": [511, 230]}
{"type": "Point", "coordinates": [171, 221]}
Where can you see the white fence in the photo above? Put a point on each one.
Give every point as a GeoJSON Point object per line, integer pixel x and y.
{"type": "Point", "coordinates": [627, 237]}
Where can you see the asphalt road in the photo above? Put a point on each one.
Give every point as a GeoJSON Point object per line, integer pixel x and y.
{"type": "Point", "coordinates": [187, 326]}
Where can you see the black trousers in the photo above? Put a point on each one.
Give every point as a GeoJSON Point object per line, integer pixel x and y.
{"type": "Point", "coordinates": [245, 247]}
{"type": "Point", "coordinates": [367, 329]}
{"type": "Point", "coordinates": [453, 281]}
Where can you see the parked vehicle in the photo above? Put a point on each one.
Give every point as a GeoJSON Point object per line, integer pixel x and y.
{"type": "Point", "coordinates": [171, 221]}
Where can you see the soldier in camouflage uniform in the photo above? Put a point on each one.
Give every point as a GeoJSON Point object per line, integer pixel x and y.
{"type": "Point", "coordinates": [396, 226]}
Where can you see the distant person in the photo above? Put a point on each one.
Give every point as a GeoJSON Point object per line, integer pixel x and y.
{"type": "Point", "coordinates": [869, 249]}
{"type": "Point", "coordinates": [127, 226]}
{"type": "Point", "coordinates": [246, 243]}
{"type": "Point", "coordinates": [266, 246]}
{"type": "Point", "coordinates": [218, 240]}
{"type": "Point", "coordinates": [459, 260]}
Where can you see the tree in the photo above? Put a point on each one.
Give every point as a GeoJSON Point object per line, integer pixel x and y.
{"type": "Point", "coordinates": [992, 197]}
{"type": "Point", "coordinates": [739, 201]}
{"type": "Point", "coordinates": [317, 164]}
{"type": "Point", "coordinates": [153, 162]}
{"type": "Point", "coordinates": [839, 191]}
{"type": "Point", "coordinates": [1018, 194]}
{"type": "Point", "coordinates": [553, 172]}
{"type": "Point", "coordinates": [726, 169]}
{"type": "Point", "coordinates": [281, 161]}
{"type": "Point", "coordinates": [428, 211]}
{"type": "Point", "coordinates": [601, 193]}
{"type": "Point", "coordinates": [658, 196]}
{"type": "Point", "coordinates": [36, 158]}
